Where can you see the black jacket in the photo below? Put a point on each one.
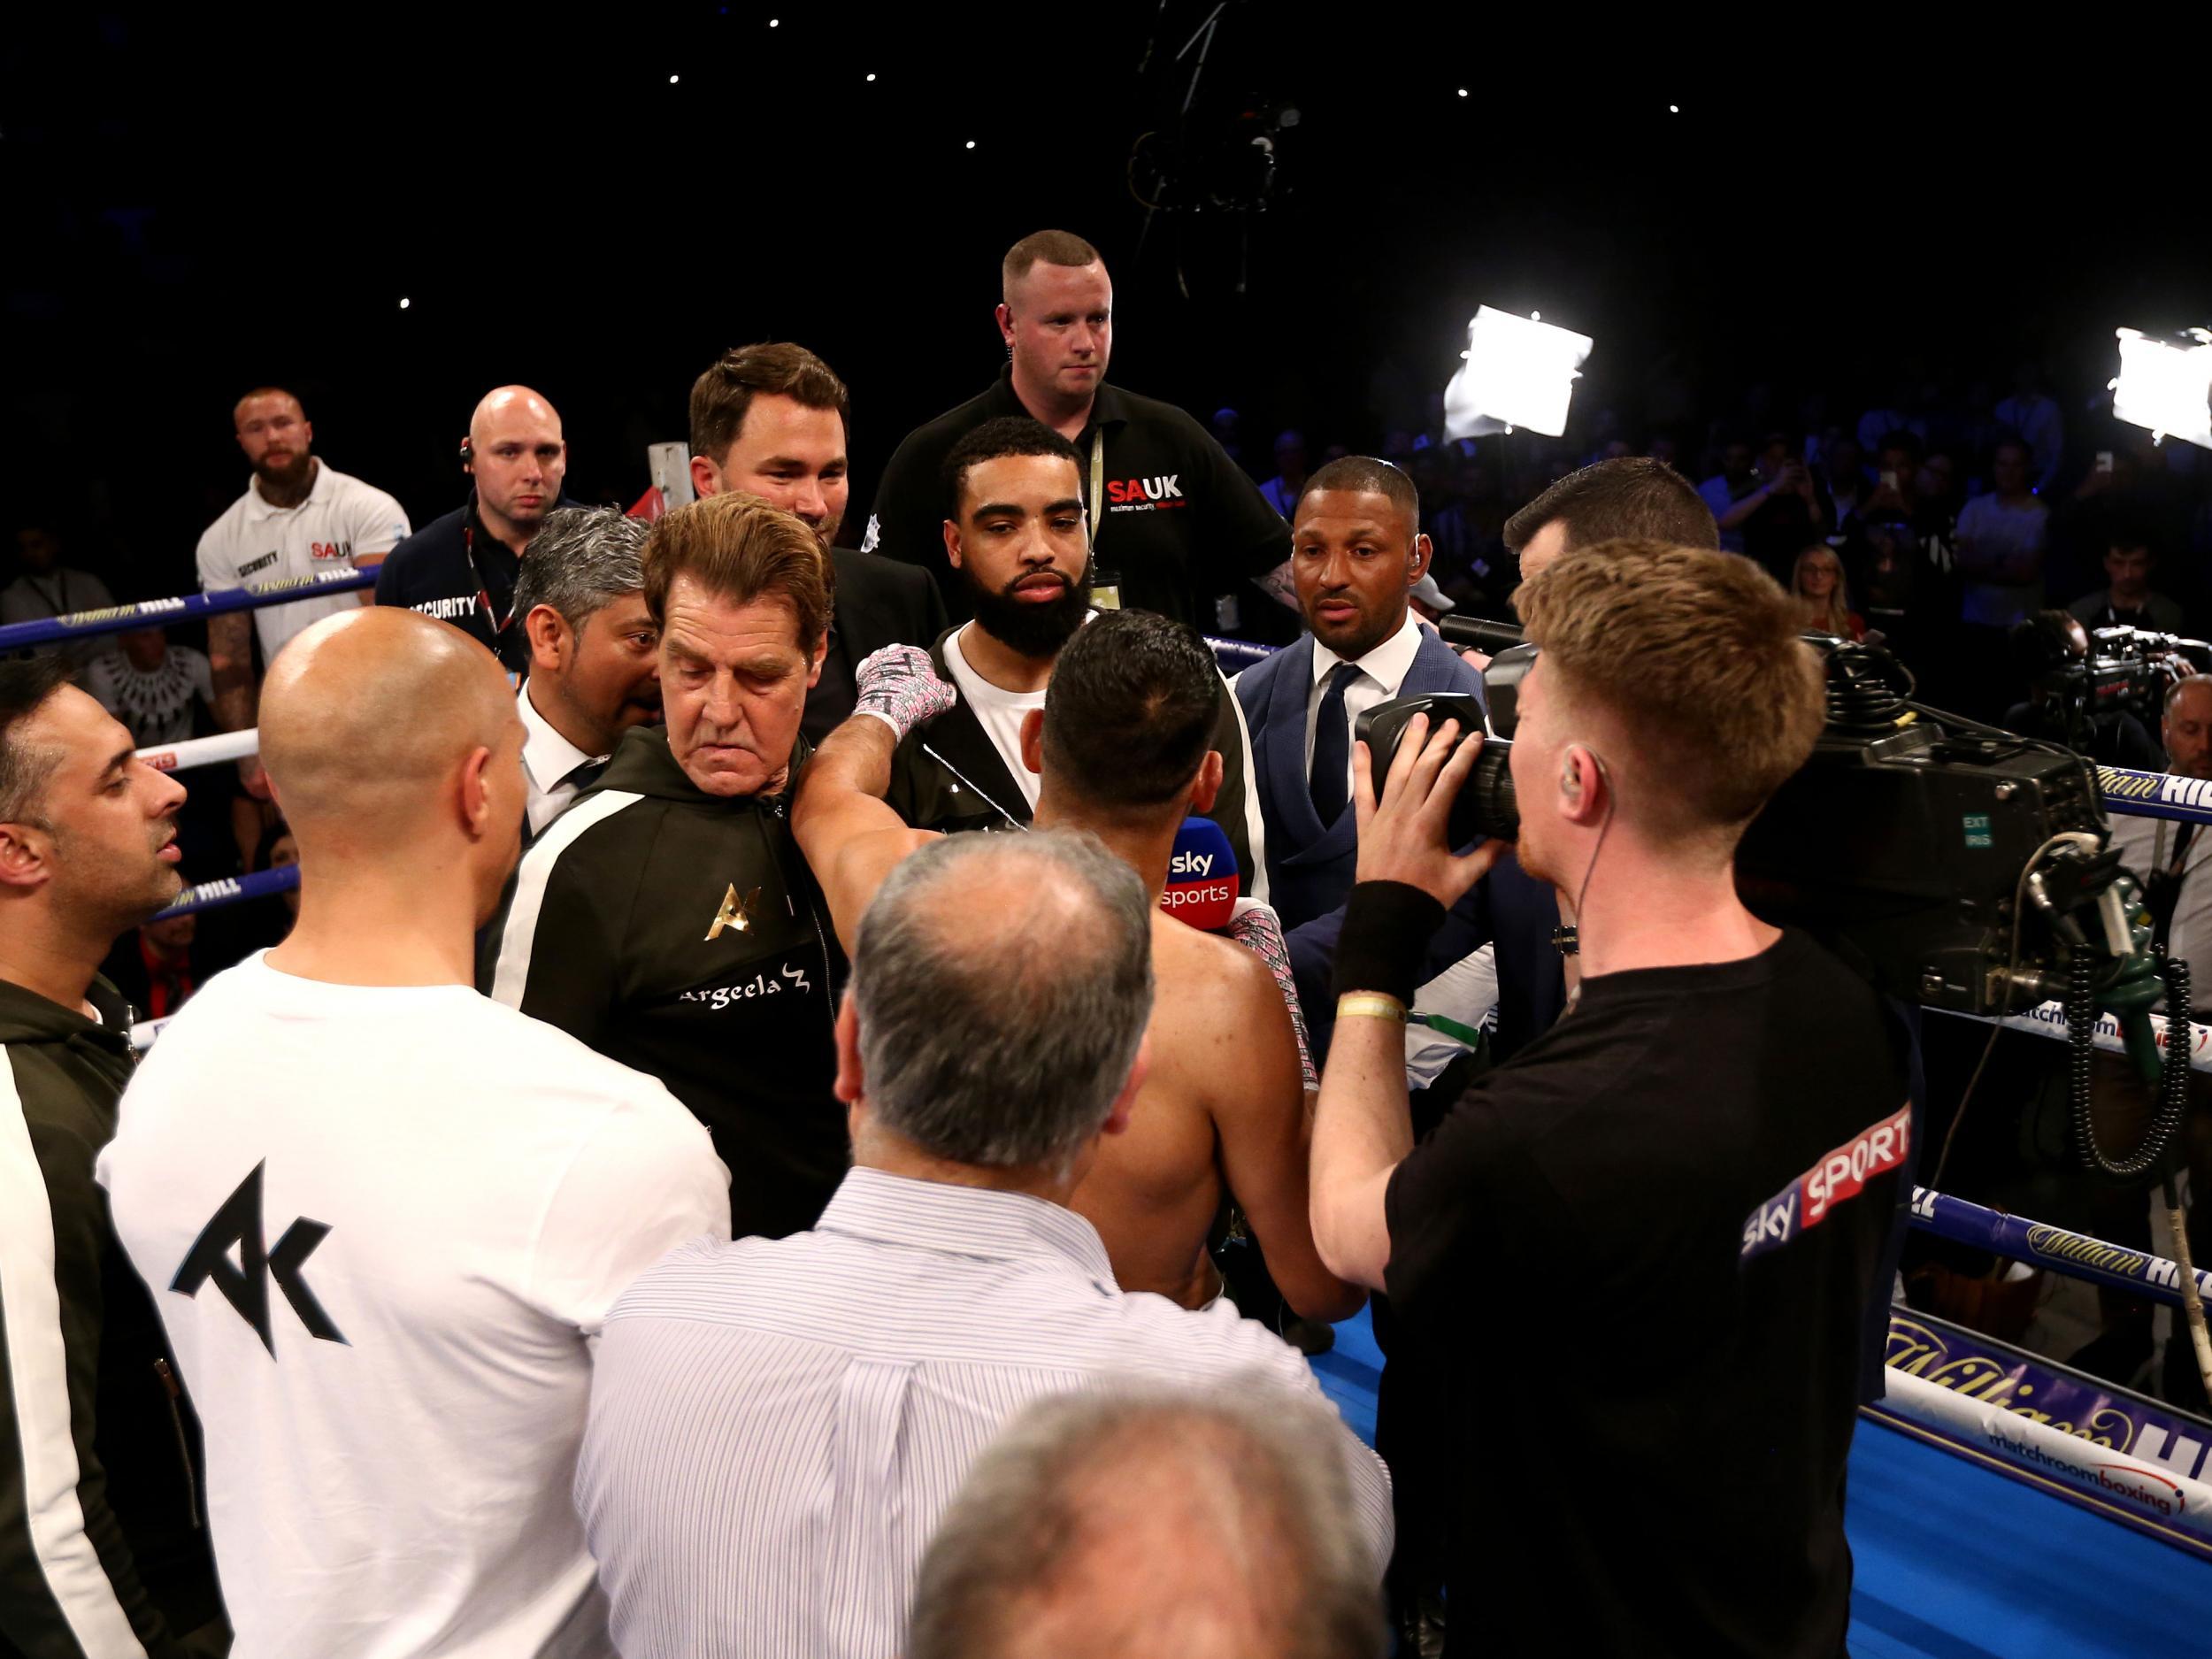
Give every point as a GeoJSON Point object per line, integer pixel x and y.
{"type": "Point", "coordinates": [682, 934]}
{"type": "Point", "coordinates": [948, 775]}
{"type": "Point", "coordinates": [880, 601]}
{"type": "Point", "coordinates": [451, 569]}
{"type": "Point", "coordinates": [86, 1379]}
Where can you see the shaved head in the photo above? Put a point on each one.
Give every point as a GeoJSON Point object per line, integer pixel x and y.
{"type": "Point", "coordinates": [505, 407]}
{"type": "Point", "coordinates": [519, 460]}
{"type": "Point", "coordinates": [367, 719]}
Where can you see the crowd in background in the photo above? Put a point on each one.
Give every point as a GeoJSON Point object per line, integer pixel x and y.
{"type": "Point", "coordinates": [1936, 519]}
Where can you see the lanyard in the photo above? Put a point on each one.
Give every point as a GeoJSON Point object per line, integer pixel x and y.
{"type": "Point", "coordinates": [1098, 483]}
{"type": "Point", "coordinates": [500, 625]}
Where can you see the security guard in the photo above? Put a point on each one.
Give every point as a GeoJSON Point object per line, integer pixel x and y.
{"type": "Point", "coordinates": [462, 568]}
{"type": "Point", "coordinates": [668, 919]}
{"type": "Point", "coordinates": [1173, 520]}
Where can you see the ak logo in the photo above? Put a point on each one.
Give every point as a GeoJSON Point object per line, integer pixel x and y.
{"type": "Point", "coordinates": [246, 1285]}
{"type": "Point", "coordinates": [736, 913]}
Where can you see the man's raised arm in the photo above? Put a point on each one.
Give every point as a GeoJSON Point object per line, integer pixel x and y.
{"type": "Point", "coordinates": [1407, 874]}
{"type": "Point", "coordinates": [850, 838]}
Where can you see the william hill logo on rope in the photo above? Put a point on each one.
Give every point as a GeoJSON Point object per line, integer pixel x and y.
{"type": "Point", "coordinates": [1145, 494]}
{"type": "Point", "coordinates": [1844, 1174]}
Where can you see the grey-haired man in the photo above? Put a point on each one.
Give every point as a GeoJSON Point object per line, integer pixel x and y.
{"type": "Point", "coordinates": [831, 1388]}
{"type": "Point", "coordinates": [594, 661]}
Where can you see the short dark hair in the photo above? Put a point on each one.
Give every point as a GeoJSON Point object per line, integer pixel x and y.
{"type": "Point", "coordinates": [266, 391]}
{"type": "Point", "coordinates": [1629, 498]}
{"type": "Point", "coordinates": [26, 683]}
{"type": "Point", "coordinates": [1370, 475]}
{"type": "Point", "coordinates": [740, 548]}
{"type": "Point", "coordinates": [1900, 439]}
{"type": "Point", "coordinates": [1004, 435]}
{"type": "Point", "coordinates": [1130, 710]}
{"type": "Point", "coordinates": [1047, 247]}
{"type": "Point", "coordinates": [720, 397]}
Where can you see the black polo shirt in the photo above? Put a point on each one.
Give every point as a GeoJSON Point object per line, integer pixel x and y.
{"type": "Point", "coordinates": [1179, 522]}
{"type": "Point", "coordinates": [451, 569]}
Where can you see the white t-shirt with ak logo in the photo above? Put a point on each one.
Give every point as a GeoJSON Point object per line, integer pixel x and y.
{"type": "Point", "coordinates": [383, 1224]}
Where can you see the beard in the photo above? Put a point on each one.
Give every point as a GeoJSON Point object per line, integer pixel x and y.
{"type": "Point", "coordinates": [1526, 856]}
{"type": "Point", "coordinates": [286, 476]}
{"type": "Point", "coordinates": [1034, 630]}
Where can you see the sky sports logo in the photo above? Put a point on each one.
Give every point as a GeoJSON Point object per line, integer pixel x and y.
{"type": "Point", "coordinates": [1844, 1174]}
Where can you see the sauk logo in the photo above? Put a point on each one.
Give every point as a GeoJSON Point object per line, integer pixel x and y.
{"type": "Point", "coordinates": [1145, 494]}
{"type": "Point", "coordinates": [330, 549]}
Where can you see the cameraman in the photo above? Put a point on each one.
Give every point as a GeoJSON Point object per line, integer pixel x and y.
{"type": "Point", "coordinates": [2051, 647]}
{"type": "Point", "coordinates": [1704, 1154]}
{"type": "Point", "coordinates": [2169, 858]}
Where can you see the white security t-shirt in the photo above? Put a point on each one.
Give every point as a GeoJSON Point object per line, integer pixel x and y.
{"type": "Point", "coordinates": [341, 521]}
{"type": "Point", "coordinates": [1000, 714]}
{"type": "Point", "coordinates": [380, 1225]}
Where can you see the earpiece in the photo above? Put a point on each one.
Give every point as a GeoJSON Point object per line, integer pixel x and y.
{"type": "Point", "coordinates": [468, 453]}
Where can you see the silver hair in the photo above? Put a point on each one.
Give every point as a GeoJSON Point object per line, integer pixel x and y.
{"type": "Point", "coordinates": [1268, 1467]}
{"type": "Point", "coordinates": [1003, 1043]}
{"type": "Point", "coordinates": [582, 559]}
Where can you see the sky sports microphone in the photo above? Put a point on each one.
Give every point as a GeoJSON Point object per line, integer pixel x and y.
{"type": "Point", "coordinates": [1203, 879]}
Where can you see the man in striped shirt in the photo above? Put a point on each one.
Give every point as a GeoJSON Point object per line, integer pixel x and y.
{"type": "Point", "coordinates": [775, 1426]}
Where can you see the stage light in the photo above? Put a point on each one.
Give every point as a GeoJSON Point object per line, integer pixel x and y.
{"type": "Point", "coordinates": [872, 77]}
{"type": "Point", "coordinates": [1674, 109]}
{"type": "Point", "coordinates": [672, 80]}
{"type": "Point", "coordinates": [404, 303]}
{"type": "Point", "coordinates": [1519, 371]}
{"type": "Point", "coordinates": [1462, 92]}
{"type": "Point", "coordinates": [2166, 386]}
{"type": "Point", "coordinates": [774, 22]}
{"type": "Point", "coordinates": [972, 143]}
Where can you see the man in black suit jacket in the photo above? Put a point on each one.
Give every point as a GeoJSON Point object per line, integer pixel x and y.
{"type": "Point", "coordinates": [771, 420]}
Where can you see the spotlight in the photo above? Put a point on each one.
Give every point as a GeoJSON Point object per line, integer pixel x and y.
{"type": "Point", "coordinates": [1462, 92]}
{"type": "Point", "coordinates": [672, 80]}
{"type": "Point", "coordinates": [1519, 371]}
{"type": "Point", "coordinates": [972, 143]}
{"type": "Point", "coordinates": [774, 22]}
{"type": "Point", "coordinates": [1674, 109]}
{"type": "Point", "coordinates": [2166, 386]}
{"type": "Point", "coordinates": [404, 303]}
{"type": "Point", "coordinates": [872, 77]}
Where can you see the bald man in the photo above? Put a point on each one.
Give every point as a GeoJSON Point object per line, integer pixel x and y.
{"type": "Point", "coordinates": [299, 518]}
{"type": "Point", "coordinates": [462, 568]}
{"type": "Point", "coordinates": [382, 1216]}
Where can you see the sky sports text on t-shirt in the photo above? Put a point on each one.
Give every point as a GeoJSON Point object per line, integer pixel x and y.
{"type": "Point", "coordinates": [1843, 1173]}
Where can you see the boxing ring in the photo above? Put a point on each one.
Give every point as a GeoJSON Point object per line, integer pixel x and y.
{"type": "Point", "coordinates": [1999, 1502]}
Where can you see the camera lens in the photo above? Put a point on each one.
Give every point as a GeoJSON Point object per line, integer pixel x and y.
{"type": "Point", "coordinates": [1486, 804]}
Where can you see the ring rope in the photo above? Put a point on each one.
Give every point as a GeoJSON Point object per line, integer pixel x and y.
{"type": "Point", "coordinates": [117, 618]}
{"type": "Point", "coordinates": [202, 752]}
{"type": "Point", "coordinates": [230, 890]}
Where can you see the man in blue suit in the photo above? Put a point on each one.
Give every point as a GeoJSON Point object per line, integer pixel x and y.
{"type": "Point", "coordinates": [1356, 552]}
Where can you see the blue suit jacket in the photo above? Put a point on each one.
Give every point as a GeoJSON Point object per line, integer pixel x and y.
{"type": "Point", "coordinates": [1309, 863]}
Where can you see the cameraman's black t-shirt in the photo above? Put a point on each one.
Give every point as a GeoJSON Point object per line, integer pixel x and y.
{"type": "Point", "coordinates": [1649, 1243]}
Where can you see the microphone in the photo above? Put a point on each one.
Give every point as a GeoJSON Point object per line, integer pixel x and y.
{"type": "Point", "coordinates": [1202, 878]}
{"type": "Point", "coordinates": [1478, 633]}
